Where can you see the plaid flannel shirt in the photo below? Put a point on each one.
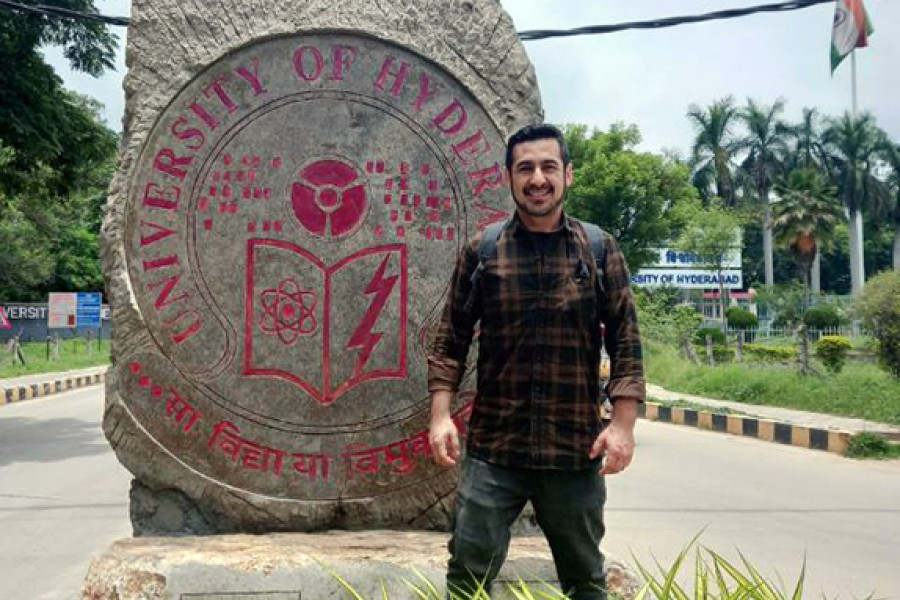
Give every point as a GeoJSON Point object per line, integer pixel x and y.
{"type": "Point", "coordinates": [539, 346]}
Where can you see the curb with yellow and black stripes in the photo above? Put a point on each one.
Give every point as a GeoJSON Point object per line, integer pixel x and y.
{"type": "Point", "coordinates": [829, 440]}
{"type": "Point", "coordinates": [46, 388]}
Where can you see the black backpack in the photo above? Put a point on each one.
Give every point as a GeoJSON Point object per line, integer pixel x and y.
{"type": "Point", "coordinates": [488, 249]}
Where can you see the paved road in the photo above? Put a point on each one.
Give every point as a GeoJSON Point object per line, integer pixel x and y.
{"type": "Point", "coordinates": [775, 503]}
{"type": "Point", "coordinates": [63, 499]}
{"type": "Point", "coordinates": [63, 494]}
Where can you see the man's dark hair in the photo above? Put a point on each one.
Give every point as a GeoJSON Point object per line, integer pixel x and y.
{"type": "Point", "coordinates": [531, 133]}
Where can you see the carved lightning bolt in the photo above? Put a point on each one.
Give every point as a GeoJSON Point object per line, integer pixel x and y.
{"type": "Point", "coordinates": [364, 338]}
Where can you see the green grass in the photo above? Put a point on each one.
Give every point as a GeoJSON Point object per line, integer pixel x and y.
{"type": "Point", "coordinates": [72, 354]}
{"type": "Point", "coordinates": [861, 390]}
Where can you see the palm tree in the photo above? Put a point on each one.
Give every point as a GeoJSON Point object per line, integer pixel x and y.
{"type": "Point", "coordinates": [765, 148]}
{"type": "Point", "coordinates": [804, 218]}
{"type": "Point", "coordinates": [891, 210]}
{"type": "Point", "coordinates": [712, 156]}
{"type": "Point", "coordinates": [850, 145]}
{"type": "Point", "coordinates": [804, 141]}
{"type": "Point", "coordinates": [805, 152]}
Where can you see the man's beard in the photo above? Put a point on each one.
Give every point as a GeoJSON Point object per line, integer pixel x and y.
{"type": "Point", "coordinates": [543, 212]}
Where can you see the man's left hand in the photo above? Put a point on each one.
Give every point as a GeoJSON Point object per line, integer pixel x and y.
{"type": "Point", "coordinates": [617, 440]}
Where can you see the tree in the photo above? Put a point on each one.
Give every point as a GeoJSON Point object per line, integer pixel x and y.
{"type": "Point", "coordinates": [39, 119]}
{"type": "Point", "coordinates": [712, 234]}
{"type": "Point", "coordinates": [890, 210]}
{"type": "Point", "coordinates": [851, 144]}
{"type": "Point", "coordinates": [714, 150]}
{"type": "Point", "coordinates": [50, 218]}
{"type": "Point", "coordinates": [805, 217]}
{"type": "Point", "coordinates": [631, 194]}
{"type": "Point", "coordinates": [879, 307]}
{"type": "Point", "coordinates": [765, 148]}
{"type": "Point", "coordinates": [806, 150]}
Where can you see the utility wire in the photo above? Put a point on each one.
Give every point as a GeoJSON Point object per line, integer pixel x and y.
{"type": "Point", "coordinates": [528, 36]}
{"type": "Point", "coordinates": [55, 11]}
{"type": "Point", "coordinates": [541, 34]}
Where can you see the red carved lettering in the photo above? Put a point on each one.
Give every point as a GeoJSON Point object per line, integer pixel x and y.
{"type": "Point", "coordinates": [179, 131]}
{"type": "Point", "coordinates": [399, 76]}
{"type": "Point", "coordinates": [457, 110]}
{"type": "Point", "coordinates": [300, 66]}
{"type": "Point", "coordinates": [177, 408]}
{"type": "Point", "coordinates": [168, 284]}
{"type": "Point", "coordinates": [252, 77]}
{"type": "Point", "coordinates": [216, 88]}
{"type": "Point", "coordinates": [160, 234]}
{"type": "Point", "coordinates": [207, 118]}
{"type": "Point", "coordinates": [425, 94]}
{"type": "Point", "coordinates": [186, 333]}
{"type": "Point", "coordinates": [169, 163]}
{"type": "Point", "coordinates": [472, 148]}
{"type": "Point", "coordinates": [161, 263]}
{"type": "Point", "coordinates": [342, 56]}
{"type": "Point", "coordinates": [154, 197]}
{"type": "Point", "coordinates": [492, 179]}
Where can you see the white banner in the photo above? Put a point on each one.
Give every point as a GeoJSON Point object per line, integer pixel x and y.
{"type": "Point", "coordinates": [674, 259]}
{"type": "Point", "coordinates": [694, 279]}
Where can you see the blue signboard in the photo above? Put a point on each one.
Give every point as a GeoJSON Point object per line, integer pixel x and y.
{"type": "Point", "coordinates": [88, 310]}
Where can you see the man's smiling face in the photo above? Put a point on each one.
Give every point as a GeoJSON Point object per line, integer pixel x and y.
{"type": "Point", "coordinates": [539, 180]}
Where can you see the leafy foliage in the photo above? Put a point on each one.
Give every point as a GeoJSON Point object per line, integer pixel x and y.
{"type": "Point", "coordinates": [766, 353]}
{"type": "Point", "coordinates": [741, 318]}
{"type": "Point", "coordinates": [879, 307]}
{"type": "Point", "coordinates": [832, 351]}
{"type": "Point", "coordinates": [825, 316]}
{"type": "Point", "coordinates": [871, 445]}
{"type": "Point", "coordinates": [633, 195]}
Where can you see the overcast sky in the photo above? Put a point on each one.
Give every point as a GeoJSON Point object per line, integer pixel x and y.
{"type": "Point", "coordinates": [649, 78]}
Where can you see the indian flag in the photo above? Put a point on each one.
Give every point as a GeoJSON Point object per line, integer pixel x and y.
{"type": "Point", "coordinates": [852, 29]}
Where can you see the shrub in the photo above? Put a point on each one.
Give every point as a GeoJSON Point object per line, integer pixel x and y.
{"type": "Point", "coordinates": [771, 353]}
{"type": "Point", "coordinates": [718, 337]}
{"type": "Point", "coordinates": [879, 307]}
{"type": "Point", "coordinates": [832, 351]}
{"type": "Point", "coordinates": [823, 317]}
{"type": "Point", "coordinates": [723, 354]}
{"type": "Point", "coordinates": [741, 318]}
{"type": "Point", "coordinates": [871, 445]}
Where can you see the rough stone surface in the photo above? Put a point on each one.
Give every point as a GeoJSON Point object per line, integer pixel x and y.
{"type": "Point", "coordinates": [296, 179]}
{"type": "Point", "coordinates": [291, 566]}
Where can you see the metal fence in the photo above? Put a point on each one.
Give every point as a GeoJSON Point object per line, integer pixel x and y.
{"type": "Point", "coordinates": [773, 334]}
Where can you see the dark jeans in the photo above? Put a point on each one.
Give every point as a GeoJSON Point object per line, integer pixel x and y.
{"type": "Point", "coordinates": [569, 509]}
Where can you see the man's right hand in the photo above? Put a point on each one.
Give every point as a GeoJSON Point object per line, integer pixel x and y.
{"type": "Point", "coordinates": [444, 440]}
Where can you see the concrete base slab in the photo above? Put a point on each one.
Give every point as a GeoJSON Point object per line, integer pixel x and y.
{"type": "Point", "coordinates": [305, 566]}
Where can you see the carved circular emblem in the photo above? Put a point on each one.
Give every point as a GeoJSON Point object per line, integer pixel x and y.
{"type": "Point", "coordinates": [292, 224]}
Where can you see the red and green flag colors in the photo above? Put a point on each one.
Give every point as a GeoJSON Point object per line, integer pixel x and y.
{"type": "Point", "coordinates": [852, 29]}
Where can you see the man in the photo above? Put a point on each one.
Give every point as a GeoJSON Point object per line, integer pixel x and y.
{"type": "Point", "coordinates": [534, 433]}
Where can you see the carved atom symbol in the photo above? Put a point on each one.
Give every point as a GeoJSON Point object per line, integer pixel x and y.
{"type": "Point", "coordinates": [288, 312]}
{"type": "Point", "coordinates": [326, 201]}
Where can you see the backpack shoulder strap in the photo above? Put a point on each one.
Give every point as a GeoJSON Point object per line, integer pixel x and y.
{"type": "Point", "coordinates": [598, 248]}
{"type": "Point", "coordinates": [487, 249]}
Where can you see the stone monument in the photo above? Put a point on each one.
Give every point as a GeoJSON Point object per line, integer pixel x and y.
{"type": "Point", "coordinates": [296, 181]}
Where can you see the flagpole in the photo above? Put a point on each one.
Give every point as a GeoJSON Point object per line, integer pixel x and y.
{"type": "Point", "coordinates": [853, 83]}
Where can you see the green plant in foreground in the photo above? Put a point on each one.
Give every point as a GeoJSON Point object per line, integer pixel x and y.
{"type": "Point", "coordinates": [832, 351]}
{"type": "Point", "coordinates": [871, 445]}
{"type": "Point", "coordinates": [714, 578]}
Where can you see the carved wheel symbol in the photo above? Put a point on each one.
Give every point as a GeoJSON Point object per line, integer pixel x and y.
{"type": "Point", "coordinates": [329, 201]}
